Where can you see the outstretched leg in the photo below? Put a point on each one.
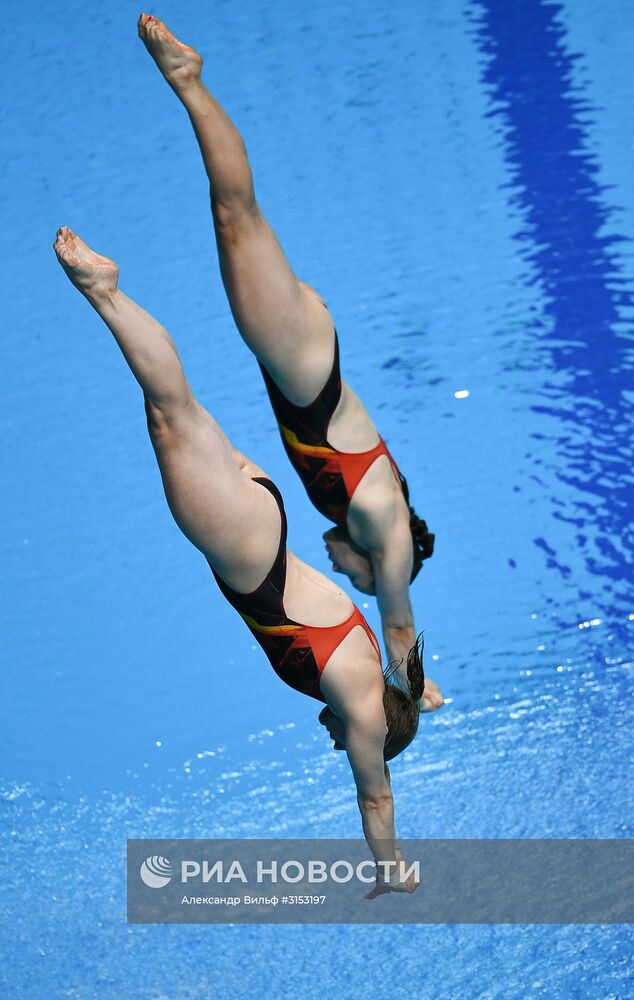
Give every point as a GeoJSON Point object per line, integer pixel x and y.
{"type": "Point", "coordinates": [208, 485]}
{"type": "Point", "coordinates": [282, 320]}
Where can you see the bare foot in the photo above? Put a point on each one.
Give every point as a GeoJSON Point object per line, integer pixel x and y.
{"type": "Point", "coordinates": [178, 63]}
{"type": "Point", "coordinates": [91, 273]}
{"type": "Point", "coordinates": [432, 697]}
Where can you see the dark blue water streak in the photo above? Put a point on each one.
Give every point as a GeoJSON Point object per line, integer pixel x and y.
{"type": "Point", "coordinates": [577, 261]}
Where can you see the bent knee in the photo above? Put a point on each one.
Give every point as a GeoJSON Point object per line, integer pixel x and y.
{"type": "Point", "coordinates": [164, 417]}
{"type": "Point", "coordinates": [233, 217]}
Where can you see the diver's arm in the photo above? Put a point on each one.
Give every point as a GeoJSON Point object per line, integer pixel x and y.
{"type": "Point", "coordinates": [397, 619]}
{"type": "Point", "coordinates": [399, 632]}
{"type": "Point", "coordinates": [380, 526]}
{"type": "Point", "coordinates": [364, 745]}
{"type": "Point", "coordinates": [355, 695]}
{"type": "Point", "coordinates": [391, 555]}
{"type": "Point", "coordinates": [365, 736]}
{"type": "Point", "coordinates": [354, 692]}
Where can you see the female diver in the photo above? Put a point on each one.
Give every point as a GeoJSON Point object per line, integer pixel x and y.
{"type": "Point", "coordinates": [317, 641]}
{"type": "Point", "coordinates": [346, 468]}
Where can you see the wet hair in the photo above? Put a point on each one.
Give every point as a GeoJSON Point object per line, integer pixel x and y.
{"type": "Point", "coordinates": [422, 538]}
{"type": "Point", "coordinates": [401, 709]}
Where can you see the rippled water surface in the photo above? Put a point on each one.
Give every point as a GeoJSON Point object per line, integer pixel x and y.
{"type": "Point", "coordinates": [456, 180]}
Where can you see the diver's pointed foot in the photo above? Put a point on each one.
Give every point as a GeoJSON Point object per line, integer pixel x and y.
{"type": "Point", "coordinates": [90, 272]}
{"type": "Point", "coordinates": [179, 63]}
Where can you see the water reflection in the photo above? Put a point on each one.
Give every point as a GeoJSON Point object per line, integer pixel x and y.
{"type": "Point", "coordinates": [528, 73]}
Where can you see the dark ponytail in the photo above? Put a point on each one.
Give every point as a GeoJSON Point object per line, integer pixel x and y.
{"type": "Point", "coordinates": [415, 672]}
{"type": "Point", "coordinates": [422, 537]}
{"type": "Point", "coordinates": [401, 709]}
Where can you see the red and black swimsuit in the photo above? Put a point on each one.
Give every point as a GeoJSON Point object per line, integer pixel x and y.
{"type": "Point", "coordinates": [298, 653]}
{"type": "Point", "coordinates": [330, 477]}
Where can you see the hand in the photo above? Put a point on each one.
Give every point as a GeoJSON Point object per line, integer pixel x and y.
{"type": "Point", "coordinates": [382, 887]}
{"type": "Point", "coordinates": [432, 697]}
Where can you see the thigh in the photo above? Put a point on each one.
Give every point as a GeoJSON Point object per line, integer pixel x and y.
{"type": "Point", "coordinates": [233, 520]}
{"type": "Point", "coordinates": [282, 320]}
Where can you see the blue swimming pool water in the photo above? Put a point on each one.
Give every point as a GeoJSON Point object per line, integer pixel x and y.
{"type": "Point", "coordinates": [455, 178]}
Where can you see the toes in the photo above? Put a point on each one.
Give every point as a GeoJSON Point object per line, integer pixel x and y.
{"type": "Point", "coordinates": [62, 236]}
{"type": "Point", "coordinates": [145, 23]}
